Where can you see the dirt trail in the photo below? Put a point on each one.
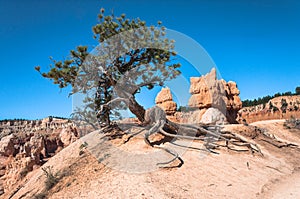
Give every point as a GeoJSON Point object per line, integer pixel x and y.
{"type": "Point", "coordinates": [285, 187]}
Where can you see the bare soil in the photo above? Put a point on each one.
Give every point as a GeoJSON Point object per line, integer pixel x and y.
{"type": "Point", "coordinates": [228, 174]}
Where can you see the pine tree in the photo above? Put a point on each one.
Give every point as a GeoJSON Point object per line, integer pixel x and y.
{"type": "Point", "coordinates": [129, 56]}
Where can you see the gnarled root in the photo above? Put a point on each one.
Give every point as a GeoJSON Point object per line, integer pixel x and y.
{"type": "Point", "coordinates": [174, 153]}
{"type": "Point", "coordinates": [210, 135]}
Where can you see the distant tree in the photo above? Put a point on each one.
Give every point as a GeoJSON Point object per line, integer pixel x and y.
{"type": "Point", "coordinates": [264, 100]}
{"type": "Point", "coordinates": [284, 105]}
{"type": "Point", "coordinates": [297, 90]}
{"type": "Point", "coordinates": [255, 102]}
{"type": "Point", "coordinates": [259, 101]}
{"type": "Point", "coordinates": [245, 103]}
{"type": "Point", "coordinates": [289, 93]}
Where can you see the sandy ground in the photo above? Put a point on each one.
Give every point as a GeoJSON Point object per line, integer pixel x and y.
{"type": "Point", "coordinates": [203, 175]}
{"type": "Point", "coordinates": [289, 185]}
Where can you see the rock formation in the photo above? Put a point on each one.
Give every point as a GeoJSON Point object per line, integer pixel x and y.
{"type": "Point", "coordinates": [164, 100]}
{"type": "Point", "coordinates": [209, 92]}
{"type": "Point", "coordinates": [8, 127]}
{"type": "Point", "coordinates": [189, 117]}
{"type": "Point", "coordinates": [232, 100]}
{"type": "Point", "coordinates": [284, 107]}
{"type": "Point", "coordinates": [28, 144]}
{"type": "Point", "coordinates": [68, 135]}
{"type": "Point", "coordinates": [213, 116]}
{"type": "Point", "coordinates": [7, 145]}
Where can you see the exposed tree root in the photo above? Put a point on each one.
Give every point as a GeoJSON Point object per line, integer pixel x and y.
{"type": "Point", "coordinates": [211, 135]}
{"type": "Point", "coordinates": [279, 144]}
{"type": "Point", "coordinates": [157, 118]}
{"type": "Point", "coordinates": [174, 153]}
{"type": "Point", "coordinates": [273, 140]}
{"type": "Point", "coordinates": [189, 147]}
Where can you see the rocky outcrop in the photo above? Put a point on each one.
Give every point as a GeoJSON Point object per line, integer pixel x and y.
{"type": "Point", "coordinates": [16, 169]}
{"type": "Point", "coordinates": [8, 127]}
{"type": "Point", "coordinates": [7, 145]}
{"type": "Point", "coordinates": [284, 107]}
{"type": "Point", "coordinates": [232, 100]}
{"type": "Point", "coordinates": [209, 92]}
{"type": "Point", "coordinates": [68, 135]}
{"type": "Point", "coordinates": [213, 116]}
{"type": "Point", "coordinates": [189, 117]}
{"type": "Point", "coordinates": [164, 100]}
{"type": "Point", "coordinates": [25, 145]}
{"type": "Point", "coordinates": [36, 148]}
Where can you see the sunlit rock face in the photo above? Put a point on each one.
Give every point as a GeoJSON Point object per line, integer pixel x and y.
{"type": "Point", "coordinates": [207, 91]}
{"type": "Point", "coordinates": [164, 100]}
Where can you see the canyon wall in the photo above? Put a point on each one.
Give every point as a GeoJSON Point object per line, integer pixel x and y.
{"type": "Point", "coordinates": [284, 107]}
{"type": "Point", "coordinates": [26, 145]}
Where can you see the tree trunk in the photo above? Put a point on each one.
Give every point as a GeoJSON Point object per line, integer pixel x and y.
{"type": "Point", "coordinates": [139, 112]}
{"type": "Point", "coordinates": [136, 109]}
{"type": "Point", "coordinates": [102, 96]}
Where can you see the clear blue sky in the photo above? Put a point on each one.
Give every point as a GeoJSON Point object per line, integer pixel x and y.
{"type": "Point", "coordinates": [255, 43]}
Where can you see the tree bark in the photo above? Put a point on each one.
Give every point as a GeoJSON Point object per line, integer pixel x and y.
{"type": "Point", "coordinates": [103, 94]}
{"type": "Point", "coordinates": [136, 109]}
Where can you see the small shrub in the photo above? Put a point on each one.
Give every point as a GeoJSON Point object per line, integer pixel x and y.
{"type": "Point", "coordinates": [285, 125]}
{"type": "Point", "coordinates": [81, 152]}
{"type": "Point", "coordinates": [292, 123]}
{"type": "Point", "coordinates": [51, 179]}
{"type": "Point", "coordinates": [83, 145]}
{"type": "Point", "coordinates": [23, 173]}
{"type": "Point", "coordinates": [275, 109]}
